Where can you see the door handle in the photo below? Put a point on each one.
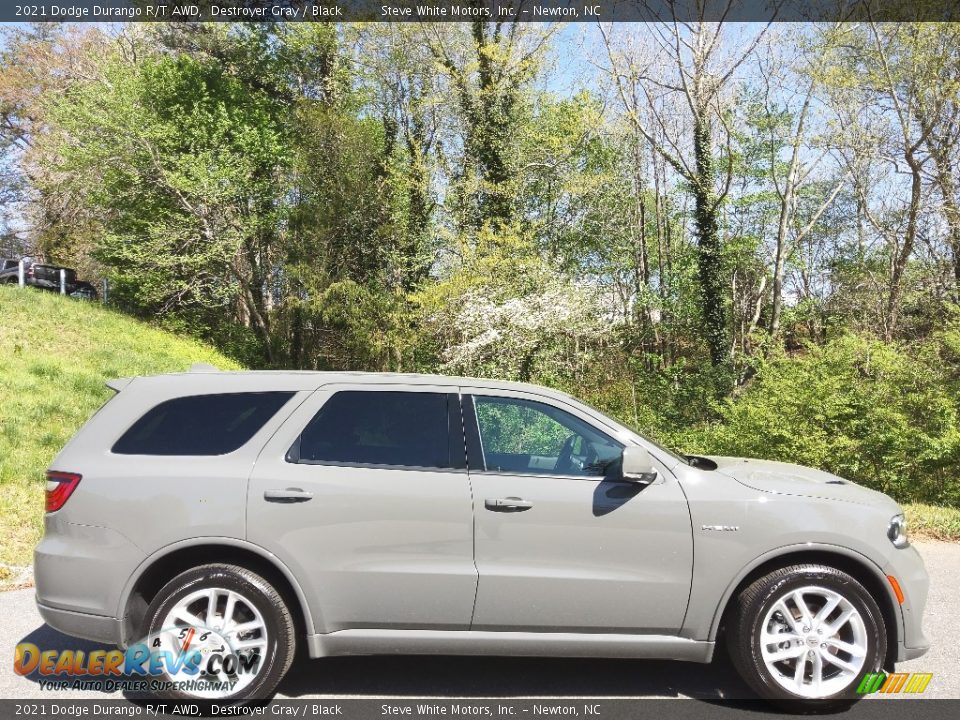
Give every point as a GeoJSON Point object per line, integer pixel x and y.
{"type": "Point", "coordinates": [289, 495]}
{"type": "Point", "coordinates": [508, 504]}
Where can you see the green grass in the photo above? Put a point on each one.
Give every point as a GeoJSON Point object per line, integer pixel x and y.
{"type": "Point", "coordinates": [55, 355]}
{"type": "Point", "coordinates": [933, 522]}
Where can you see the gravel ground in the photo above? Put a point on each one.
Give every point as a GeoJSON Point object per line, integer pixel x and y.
{"type": "Point", "coordinates": [513, 677]}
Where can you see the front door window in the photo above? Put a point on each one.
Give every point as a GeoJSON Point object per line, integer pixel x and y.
{"type": "Point", "coordinates": [524, 436]}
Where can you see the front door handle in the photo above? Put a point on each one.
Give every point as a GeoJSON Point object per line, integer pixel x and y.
{"type": "Point", "coordinates": [288, 495]}
{"type": "Point", "coordinates": [508, 504]}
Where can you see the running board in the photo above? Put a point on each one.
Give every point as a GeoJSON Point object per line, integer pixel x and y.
{"type": "Point", "coordinates": [531, 644]}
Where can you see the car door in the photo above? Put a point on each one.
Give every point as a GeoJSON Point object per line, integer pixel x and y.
{"type": "Point", "coordinates": [562, 544]}
{"type": "Point", "coordinates": [364, 494]}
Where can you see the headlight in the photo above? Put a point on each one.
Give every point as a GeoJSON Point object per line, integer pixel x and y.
{"type": "Point", "coordinates": [897, 531]}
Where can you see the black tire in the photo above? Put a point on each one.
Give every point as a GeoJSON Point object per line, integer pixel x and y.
{"type": "Point", "coordinates": [756, 601]}
{"type": "Point", "coordinates": [281, 636]}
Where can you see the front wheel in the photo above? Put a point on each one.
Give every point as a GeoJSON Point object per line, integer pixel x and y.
{"type": "Point", "coordinates": [222, 633]}
{"type": "Point", "coordinates": [808, 633]}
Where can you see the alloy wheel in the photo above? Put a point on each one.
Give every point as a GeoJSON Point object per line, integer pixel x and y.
{"type": "Point", "coordinates": [813, 642]}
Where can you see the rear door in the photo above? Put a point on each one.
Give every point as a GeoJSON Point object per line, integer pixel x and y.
{"type": "Point", "coordinates": [563, 545]}
{"type": "Point", "coordinates": [364, 494]}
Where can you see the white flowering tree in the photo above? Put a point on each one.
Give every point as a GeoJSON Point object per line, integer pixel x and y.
{"type": "Point", "coordinates": [523, 323]}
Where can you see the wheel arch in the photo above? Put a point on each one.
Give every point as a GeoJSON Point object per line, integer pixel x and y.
{"type": "Point", "coordinates": [168, 562]}
{"type": "Point", "coordinates": [860, 567]}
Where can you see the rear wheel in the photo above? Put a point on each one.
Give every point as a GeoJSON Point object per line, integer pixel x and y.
{"type": "Point", "coordinates": [808, 633]}
{"type": "Point", "coordinates": [227, 632]}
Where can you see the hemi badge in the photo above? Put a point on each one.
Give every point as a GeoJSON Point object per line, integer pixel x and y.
{"type": "Point", "coordinates": [721, 528]}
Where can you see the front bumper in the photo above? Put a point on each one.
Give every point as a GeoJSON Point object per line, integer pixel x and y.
{"type": "Point", "coordinates": [907, 567]}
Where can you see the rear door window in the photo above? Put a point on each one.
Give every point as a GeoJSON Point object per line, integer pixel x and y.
{"type": "Point", "coordinates": [397, 429]}
{"type": "Point", "coordinates": [201, 424]}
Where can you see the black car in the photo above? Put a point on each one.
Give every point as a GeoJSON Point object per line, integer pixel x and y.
{"type": "Point", "coordinates": [47, 277]}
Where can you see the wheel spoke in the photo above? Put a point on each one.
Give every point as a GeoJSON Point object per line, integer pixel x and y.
{"type": "Point", "coordinates": [842, 664]}
{"type": "Point", "coordinates": [835, 626]}
{"type": "Point", "coordinates": [855, 650]}
{"type": "Point", "coordinates": [228, 610]}
{"type": "Point", "coordinates": [779, 655]}
{"type": "Point", "coordinates": [798, 672]}
{"type": "Point", "coordinates": [787, 613]}
{"type": "Point", "coordinates": [187, 617]}
{"type": "Point", "coordinates": [802, 607]}
{"type": "Point", "coordinates": [244, 627]}
{"type": "Point", "coordinates": [769, 638]}
{"type": "Point", "coordinates": [211, 606]}
{"type": "Point", "coordinates": [827, 608]}
{"type": "Point", "coordinates": [816, 672]}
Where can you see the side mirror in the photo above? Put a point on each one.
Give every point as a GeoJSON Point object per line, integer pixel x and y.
{"type": "Point", "coordinates": [638, 466]}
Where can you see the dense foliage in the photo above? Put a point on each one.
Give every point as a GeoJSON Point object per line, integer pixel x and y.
{"type": "Point", "coordinates": [739, 239]}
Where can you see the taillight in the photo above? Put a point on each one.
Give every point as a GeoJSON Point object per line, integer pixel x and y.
{"type": "Point", "coordinates": [60, 486]}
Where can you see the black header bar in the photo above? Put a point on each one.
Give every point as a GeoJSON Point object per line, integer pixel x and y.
{"type": "Point", "coordinates": [466, 10]}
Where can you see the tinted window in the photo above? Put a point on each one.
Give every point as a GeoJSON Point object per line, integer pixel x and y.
{"type": "Point", "coordinates": [522, 436]}
{"type": "Point", "coordinates": [200, 424]}
{"type": "Point", "coordinates": [379, 428]}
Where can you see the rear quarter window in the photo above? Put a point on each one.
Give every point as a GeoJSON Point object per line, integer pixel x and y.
{"type": "Point", "coordinates": [200, 424]}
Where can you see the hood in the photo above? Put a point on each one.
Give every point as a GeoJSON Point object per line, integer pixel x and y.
{"type": "Point", "coordinates": [788, 479]}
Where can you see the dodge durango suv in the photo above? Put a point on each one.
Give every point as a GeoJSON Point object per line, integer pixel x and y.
{"type": "Point", "coordinates": [227, 519]}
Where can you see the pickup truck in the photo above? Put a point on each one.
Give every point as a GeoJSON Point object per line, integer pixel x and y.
{"type": "Point", "coordinates": [46, 277]}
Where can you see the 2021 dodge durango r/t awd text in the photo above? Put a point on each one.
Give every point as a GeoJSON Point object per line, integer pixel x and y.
{"type": "Point", "coordinates": [233, 517]}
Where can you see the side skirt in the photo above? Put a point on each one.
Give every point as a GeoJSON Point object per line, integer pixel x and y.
{"type": "Point", "coordinates": [531, 644]}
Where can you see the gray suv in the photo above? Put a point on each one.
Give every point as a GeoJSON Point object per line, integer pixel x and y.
{"type": "Point", "coordinates": [234, 518]}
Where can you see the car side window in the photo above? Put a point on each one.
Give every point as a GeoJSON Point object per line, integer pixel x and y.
{"type": "Point", "coordinates": [200, 424]}
{"type": "Point", "coordinates": [524, 436]}
{"type": "Point", "coordinates": [403, 429]}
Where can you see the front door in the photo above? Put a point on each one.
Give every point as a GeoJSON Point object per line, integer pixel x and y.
{"type": "Point", "coordinates": [562, 545]}
{"type": "Point", "coordinates": [364, 495]}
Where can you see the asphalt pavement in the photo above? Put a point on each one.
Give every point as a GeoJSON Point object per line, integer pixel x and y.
{"type": "Point", "coordinates": [446, 677]}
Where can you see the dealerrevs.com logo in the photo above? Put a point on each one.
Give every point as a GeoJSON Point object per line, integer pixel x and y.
{"type": "Point", "coordinates": [195, 660]}
{"type": "Point", "coordinates": [894, 683]}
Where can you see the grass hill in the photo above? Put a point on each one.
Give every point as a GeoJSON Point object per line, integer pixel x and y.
{"type": "Point", "coordinates": [55, 355]}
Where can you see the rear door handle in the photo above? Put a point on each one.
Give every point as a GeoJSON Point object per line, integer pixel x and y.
{"type": "Point", "coordinates": [508, 504]}
{"type": "Point", "coordinates": [289, 495]}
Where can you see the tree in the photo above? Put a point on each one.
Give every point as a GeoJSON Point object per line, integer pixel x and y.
{"type": "Point", "coordinates": [489, 66]}
{"type": "Point", "coordinates": [677, 98]}
{"type": "Point", "coordinates": [793, 158]}
{"type": "Point", "coordinates": [182, 162]}
{"type": "Point", "coordinates": [891, 75]}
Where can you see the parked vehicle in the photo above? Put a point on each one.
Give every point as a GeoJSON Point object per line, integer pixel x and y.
{"type": "Point", "coordinates": [252, 513]}
{"type": "Point", "coordinates": [47, 277]}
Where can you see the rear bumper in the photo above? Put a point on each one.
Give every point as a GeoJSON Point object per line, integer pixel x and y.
{"type": "Point", "coordinates": [82, 569]}
{"type": "Point", "coordinates": [98, 628]}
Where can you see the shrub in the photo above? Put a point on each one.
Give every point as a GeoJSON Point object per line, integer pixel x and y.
{"type": "Point", "coordinates": [873, 413]}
